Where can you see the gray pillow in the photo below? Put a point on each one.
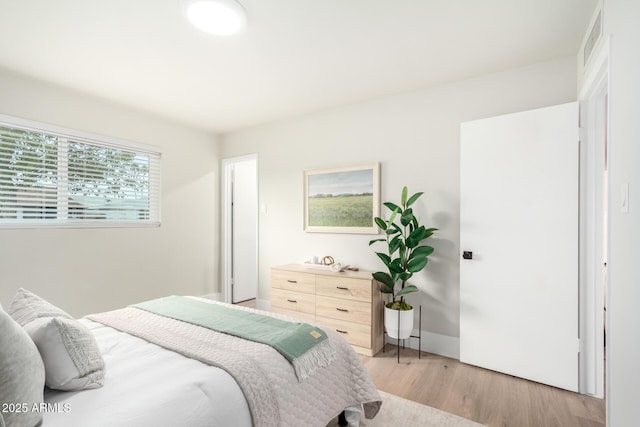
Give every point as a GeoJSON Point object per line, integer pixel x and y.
{"type": "Point", "coordinates": [21, 374]}
{"type": "Point", "coordinates": [27, 306]}
{"type": "Point", "coordinates": [71, 356]}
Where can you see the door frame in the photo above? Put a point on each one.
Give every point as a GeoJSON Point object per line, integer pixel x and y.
{"type": "Point", "coordinates": [227, 223]}
{"type": "Point", "coordinates": [593, 224]}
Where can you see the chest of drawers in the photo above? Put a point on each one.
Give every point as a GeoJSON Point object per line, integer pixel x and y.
{"type": "Point", "coordinates": [348, 302]}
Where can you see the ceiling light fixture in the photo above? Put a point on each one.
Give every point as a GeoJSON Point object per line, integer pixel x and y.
{"type": "Point", "coordinates": [219, 17]}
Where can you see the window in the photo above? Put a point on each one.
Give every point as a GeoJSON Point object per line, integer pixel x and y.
{"type": "Point", "coordinates": [51, 176]}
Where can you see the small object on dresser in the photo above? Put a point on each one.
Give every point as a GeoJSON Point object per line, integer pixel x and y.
{"type": "Point", "coordinates": [339, 267]}
{"type": "Point", "coordinates": [327, 260]}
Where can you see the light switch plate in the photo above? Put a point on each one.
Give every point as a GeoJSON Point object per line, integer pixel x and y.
{"type": "Point", "coordinates": [624, 199]}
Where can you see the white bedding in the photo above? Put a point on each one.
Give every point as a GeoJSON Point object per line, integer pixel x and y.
{"type": "Point", "coordinates": [163, 388]}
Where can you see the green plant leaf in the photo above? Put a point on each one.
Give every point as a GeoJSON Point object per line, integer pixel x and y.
{"type": "Point", "coordinates": [385, 279]}
{"type": "Point", "coordinates": [416, 264]}
{"type": "Point", "coordinates": [386, 259]}
{"type": "Point", "coordinates": [430, 232]}
{"type": "Point", "coordinates": [405, 276]}
{"type": "Point", "coordinates": [407, 290]}
{"type": "Point", "coordinates": [395, 266]}
{"type": "Point", "coordinates": [407, 217]}
{"type": "Point", "coordinates": [392, 206]}
{"type": "Point", "coordinates": [393, 216]}
{"type": "Point", "coordinates": [421, 251]}
{"type": "Point", "coordinates": [393, 233]}
{"type": "Point", "coordinates": [394, 244]}
{"type": "Point", "coordinates": [371, 242]}
{"type": "Point", "coordinates": [413, 198]}
{"type": "Point", "coordinates": [402, 253]}
{"type": "Point", "coordinates": [403, 199]}
{"type": "Point", "coordinates": [386, 289]}
{"type": "Point", "coordinates": [396, 228]}
{"type": "Point", "coordinates": [416, 236]}
{"type": "Point", "coordinates": [381, 223]}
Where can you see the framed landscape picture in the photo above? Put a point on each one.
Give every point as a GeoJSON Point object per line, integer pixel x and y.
{"type": "Point", "coordinates": [342, 200]}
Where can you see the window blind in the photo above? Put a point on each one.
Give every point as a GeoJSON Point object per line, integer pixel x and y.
{"type": "Point", "coordinates": [51, 176]}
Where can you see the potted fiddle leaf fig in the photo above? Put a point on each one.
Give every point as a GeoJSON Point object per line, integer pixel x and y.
{"type": "Point", "coordinates": [404, 256]}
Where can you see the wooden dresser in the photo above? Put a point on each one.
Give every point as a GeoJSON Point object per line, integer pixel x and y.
{"type": "Point", "coordinates": [349, 302]}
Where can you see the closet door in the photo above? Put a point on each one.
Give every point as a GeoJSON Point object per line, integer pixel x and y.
{"type": "Point", "coordinates": [519, 219]}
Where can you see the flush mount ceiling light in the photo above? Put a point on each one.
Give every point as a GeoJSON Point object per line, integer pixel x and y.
{"type": "Point", "coordinates": [219, 17]}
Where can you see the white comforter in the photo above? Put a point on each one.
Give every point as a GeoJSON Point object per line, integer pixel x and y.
{"type": "Point", "coordinates": [163, 388]}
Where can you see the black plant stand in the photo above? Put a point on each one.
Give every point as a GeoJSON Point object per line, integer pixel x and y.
{"type": "Point", "coordinates": [419, 336]}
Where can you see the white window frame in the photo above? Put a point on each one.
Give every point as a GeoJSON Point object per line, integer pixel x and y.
{"type": "Point", "coordinates": [65, 135]}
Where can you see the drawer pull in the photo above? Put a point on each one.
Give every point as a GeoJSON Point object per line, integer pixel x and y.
{"type": "Point", "coordinates": [292, 281]}
{"type": "Point", "coordinates": [342, 288]}
{"type": "Point", "coordinates": [343, 310]}
{"type": "Point", "coordinates": [291, 300]}
{"type": "Point", "coordinates": [342, 332]}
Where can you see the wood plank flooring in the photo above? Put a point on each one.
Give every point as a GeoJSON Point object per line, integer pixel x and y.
{"type": "Point", "coordinates": [480, 395]}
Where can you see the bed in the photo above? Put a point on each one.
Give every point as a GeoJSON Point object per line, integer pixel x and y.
{"type": "Point", "coordinates": [155, 370]}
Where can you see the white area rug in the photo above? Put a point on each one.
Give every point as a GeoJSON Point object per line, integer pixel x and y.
{"type": "Point", "coordinates": [396, 411]}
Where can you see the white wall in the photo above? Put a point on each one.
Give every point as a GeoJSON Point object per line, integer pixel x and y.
{"type": "Point", "coordinates": [415, 137]}
{"type": "Point", "coordinates": [623, 347]}
{"type": "Point", "coordinates": [86, 271]}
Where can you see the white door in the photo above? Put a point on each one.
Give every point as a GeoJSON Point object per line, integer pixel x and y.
{"type": "Point", "coordinates": [244, 229]}
{"type": "Point", "coordinates": [519, 218]}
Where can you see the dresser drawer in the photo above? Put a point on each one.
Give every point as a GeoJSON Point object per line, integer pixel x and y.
{"type": "Point", "coordinates": [344, 287]}
{"type": "Point", "coordinates": [353, 333]}
{"type": "Point", "coordinates": [293, 301]}
{"type": "Point", "coordinates": [293, 281]}
{"type": "Point", "coordinates": [304, 317]}
{"type": "Point", "coordinates": [343, 309]}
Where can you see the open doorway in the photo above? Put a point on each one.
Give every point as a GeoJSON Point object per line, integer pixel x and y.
{"type": "Point", "coordinates": [240, 229]}
{"type": "Point", "coordinates": [594, 227]}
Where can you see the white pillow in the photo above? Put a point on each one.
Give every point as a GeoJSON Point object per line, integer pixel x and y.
{"type": "Point", "coordinates": [72, 359]}
{"type": "Point", "coordinates": [71, 356]}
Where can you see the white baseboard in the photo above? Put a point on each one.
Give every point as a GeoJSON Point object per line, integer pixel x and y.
{"type": "Point", "coordinates": [443, 345]}
{"type": "Point", "coordinates": [216, 296]}
{"type": "Point", "coordinates": [263, 304]}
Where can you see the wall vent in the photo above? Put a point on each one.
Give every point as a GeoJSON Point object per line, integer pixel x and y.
{"type": "Point", "coordinates": [592, 40]}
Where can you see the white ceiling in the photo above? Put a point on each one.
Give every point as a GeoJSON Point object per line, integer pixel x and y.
{"type": "Point", "coordinates": [295, 56]}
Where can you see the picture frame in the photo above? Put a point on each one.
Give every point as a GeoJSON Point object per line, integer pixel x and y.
{"type": "Point", "coordinates": [342, 200]}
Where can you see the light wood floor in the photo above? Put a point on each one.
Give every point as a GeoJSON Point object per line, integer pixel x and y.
{"type": "Point", "coordinates": [249, 303]}
{"type": "Point", "coordinates": [478, 394]}
{"type": "Point", "coordinates": [484, 396]}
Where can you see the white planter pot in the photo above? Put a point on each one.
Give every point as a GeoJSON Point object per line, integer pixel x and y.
{"type": "Point", "coordinates": [391, 323]}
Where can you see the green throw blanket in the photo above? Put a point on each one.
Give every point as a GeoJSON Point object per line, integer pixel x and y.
{"type": "Point", "coordinates": [303, 345]}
